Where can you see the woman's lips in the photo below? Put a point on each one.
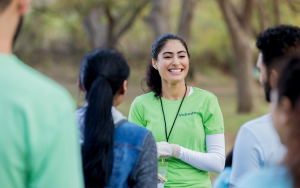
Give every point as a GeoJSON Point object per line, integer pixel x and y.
{"type": "Point", "coordinates": [175, 71]}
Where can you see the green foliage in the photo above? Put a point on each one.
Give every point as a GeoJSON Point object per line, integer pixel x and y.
{"type": "Point", "coordinates": [57, 28]}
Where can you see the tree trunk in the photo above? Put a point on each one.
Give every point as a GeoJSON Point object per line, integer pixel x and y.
{"type": "Point", "coordinates": [184, 30]}
{"type": "Point", "coordinates": [244, 60]}
{"type": "Point", "coordinates": [158, 18]}
{"type": "Point", "coordinates": [96, 31]}
{"type": "Point", "coordinates": [185, 24]}
{"type": "Point", "coordinates": [239, 30]}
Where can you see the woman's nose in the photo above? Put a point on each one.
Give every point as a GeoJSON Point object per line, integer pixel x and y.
{"type": "Point", "coordinates": [176, 61]}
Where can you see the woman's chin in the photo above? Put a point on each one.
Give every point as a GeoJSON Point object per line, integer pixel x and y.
{"type": "Point", "coordinates": [175, 81]}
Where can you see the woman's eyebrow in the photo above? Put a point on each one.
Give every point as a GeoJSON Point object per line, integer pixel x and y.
{"type": "Point", "coordinates": [181, 52]}
{"type": "Point", "coordinates": [168, 53]}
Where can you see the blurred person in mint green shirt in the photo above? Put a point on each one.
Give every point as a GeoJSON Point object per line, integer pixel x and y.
{"type": "Point", "coordinates": [38, 137]}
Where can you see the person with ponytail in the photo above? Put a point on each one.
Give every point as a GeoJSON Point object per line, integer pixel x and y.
{"type": "Point", "coordinates": [186, 122]}
{"type": "Point", "coordinates": [285, 115]}
{"type": "Point", "coordinates": [115, 152]}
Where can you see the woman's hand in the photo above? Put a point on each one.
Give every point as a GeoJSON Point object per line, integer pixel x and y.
{"type": "Point", "coordinates": [166, 150]}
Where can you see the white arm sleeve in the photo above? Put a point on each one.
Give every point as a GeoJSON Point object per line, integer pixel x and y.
{"type": "Point", "coordinates": [213, 160]}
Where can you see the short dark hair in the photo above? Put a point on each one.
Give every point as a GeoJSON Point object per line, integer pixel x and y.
{"type": "Point", "coordinates": [276, 42]}
{"type": "Point", "coordinates": [4, 4]}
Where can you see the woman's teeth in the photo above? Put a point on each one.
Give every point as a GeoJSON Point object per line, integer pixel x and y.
{"type": "Point", "coordinates": [178, 70]}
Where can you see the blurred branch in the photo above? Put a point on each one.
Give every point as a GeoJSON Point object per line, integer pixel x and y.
{"type": "Point", "coordinates": [111, 22]}
{"type": "Point", "coordinates": [185, 23]}
{"type": "Point", "coordinates": [235, 11]}
{"type": "Point", "coordinates": [294, 5]}
{"type": "Point", "coordinates": [247, 15]}
{"type": "Point", "coordinates": [230, 17]}
{"type": "Point", "coordinates": [124, 13]}
{"type": "Point", "coordinates": [158, 18]}
{"type": "Point", "coordinates": [130, 21]}
{"type": "Point", "coordinates": [276, 11]}
{"type": "Point", "coordinates": [263, 20]}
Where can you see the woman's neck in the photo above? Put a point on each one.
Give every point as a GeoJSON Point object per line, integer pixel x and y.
{"type": "Point", "coordinates": [174, 92]}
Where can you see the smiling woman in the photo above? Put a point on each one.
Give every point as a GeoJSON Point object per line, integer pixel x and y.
{"type": "Point", "coordinates": [186, 122]}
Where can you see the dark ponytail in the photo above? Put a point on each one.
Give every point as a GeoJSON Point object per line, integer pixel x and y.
{"type": "Point", "coordinates": [153, 78]}
{"type": "Point", "coordinates": [102, 75]}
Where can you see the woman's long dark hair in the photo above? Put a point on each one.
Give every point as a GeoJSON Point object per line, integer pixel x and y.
{"type": "Point", "coordinates": [153, 78]}
{"type": "Point", "coordinates": [289, 86]}
{"type": "Point", "coordinates": [102, 74]}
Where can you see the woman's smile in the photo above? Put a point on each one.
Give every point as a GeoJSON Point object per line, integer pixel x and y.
{"type": "Point", "coordinates": [175, 71]}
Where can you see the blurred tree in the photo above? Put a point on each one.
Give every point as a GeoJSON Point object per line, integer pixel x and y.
{"type": "Point", "coordinates": [186, 17]}
{"type": "Point", "coordinates": [276, 11]}
{"type": "Point", "coordinates": [294, 5]}
{"type": "Point", "coordinates": [263, 19]}
{"type": "Point", "coordinates": [158, 18]}
{"type": "Point", "coordinates": [105, 21]}
{"type": "Point", "coordinates": [239, 25]}
{"type": "Point", "coordinates": [238, 16]}
{"type": "Point", "coordinates": [184, 29]}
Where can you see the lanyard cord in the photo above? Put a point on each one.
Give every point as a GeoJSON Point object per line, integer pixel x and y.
{"type": "Point", "coordinates": [167, 137]}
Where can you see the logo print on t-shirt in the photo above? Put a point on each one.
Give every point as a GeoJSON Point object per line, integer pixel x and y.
{"type": "Point", "coordinates": [187, 114]}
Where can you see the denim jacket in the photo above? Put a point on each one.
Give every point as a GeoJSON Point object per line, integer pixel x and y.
{"type": "Point", "coordinates": [129, 144]}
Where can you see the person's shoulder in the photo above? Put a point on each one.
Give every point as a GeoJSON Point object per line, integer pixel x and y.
{"type": "Point", "coordinates": [204, 93]}
{"type": "Point", "coordinates": [260, 120]}
{"type": "Point", "coordinates": [275, 177]}
{"type": "Point", "coordinates": [257, 124]}
{"type": "Point", "coordinates": [49, 87]}
{"type": "Point", "coordinates": [145, 98]}
{"type": "Point", "coordinates": [35, 89]}
{"type": "Point", "coordinates": [132, 127]}
{"type": "Point", "coordinates": [204, 98]}
{"type": "Point", "coordinates": [131, 133]}
{"type": "Point", "coordinates": [46, 87]}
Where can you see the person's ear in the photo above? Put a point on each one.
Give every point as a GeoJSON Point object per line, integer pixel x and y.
{"type": "Point", "coordinates": [286, 104]}
{"type": "Point", "coordinates": [23, 6]}
{"type": "Point", "coordinates": [79, 85]}
{"type": "Point", "coordinates": [154, 64]}
{"type": "Point", "coordinates": [124, 88]}
{"type": "Point", "coordinates": [273, 78]}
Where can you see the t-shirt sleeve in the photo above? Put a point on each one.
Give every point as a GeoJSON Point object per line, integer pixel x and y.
{"type": "Point", "coordinates": [136, 114]}
{"type": "Point", "coordinates": [213, 118]}
{"type": "Point", "coordinates": [59, 165]}
{"type": "Point", "coordinates": [246, 154]}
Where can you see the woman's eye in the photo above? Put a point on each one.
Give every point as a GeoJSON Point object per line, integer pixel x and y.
{"type": "Point", "coordinates": [167, 57]}
{"type": "Point", "coordinates": [182, 56]}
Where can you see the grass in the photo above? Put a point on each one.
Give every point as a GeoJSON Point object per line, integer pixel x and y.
{"type": "Point", "coordinates": [214, 81]}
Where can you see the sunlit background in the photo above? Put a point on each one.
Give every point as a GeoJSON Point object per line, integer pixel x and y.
{"type": "Point", "coordinates": [220, 35]}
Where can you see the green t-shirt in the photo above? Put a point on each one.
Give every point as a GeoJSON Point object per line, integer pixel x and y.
{"type": "Point", "coordinates": [199, 115]}
{"type": "Point", "coordinates": [39, 144]}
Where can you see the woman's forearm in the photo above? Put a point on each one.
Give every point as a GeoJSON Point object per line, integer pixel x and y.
{"type": "Point", "coordinates": [213, 160]}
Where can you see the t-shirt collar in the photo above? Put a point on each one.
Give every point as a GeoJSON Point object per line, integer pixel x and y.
{"type": "Point", "coordinates": [118, 117]}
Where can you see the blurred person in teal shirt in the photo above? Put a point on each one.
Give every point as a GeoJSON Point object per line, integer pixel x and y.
{"type": "Point", "coordinates": [38, 136]}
